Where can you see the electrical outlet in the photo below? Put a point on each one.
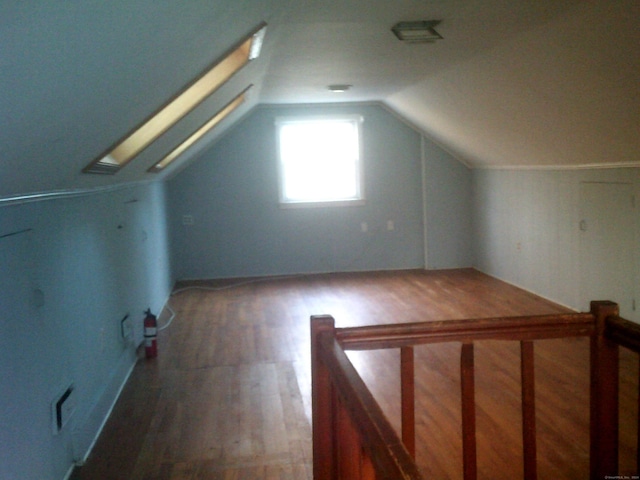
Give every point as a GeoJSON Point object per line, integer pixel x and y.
{"type": "Point", "coordinates": [364, 227]}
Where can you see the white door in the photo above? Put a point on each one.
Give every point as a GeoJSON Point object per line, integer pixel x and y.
{"type": "Point", "coordinates": [607, 242]}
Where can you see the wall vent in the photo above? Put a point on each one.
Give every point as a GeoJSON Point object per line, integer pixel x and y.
{"type": "Point", "coordinates": [62, 408]}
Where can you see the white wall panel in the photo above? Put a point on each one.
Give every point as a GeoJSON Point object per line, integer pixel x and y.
{"type": "Point", "coordinates": [526, 227]}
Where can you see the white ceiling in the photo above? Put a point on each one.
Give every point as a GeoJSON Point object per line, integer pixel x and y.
{"type": "Point", "coordinates": [514, 83]}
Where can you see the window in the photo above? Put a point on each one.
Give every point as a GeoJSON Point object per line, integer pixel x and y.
{"type": "Point", "coordinates": [320, 161]}
{"type": "Point", "coordinates": [154, 126]}
{"type": "Point", "coordinates": [198, 134]}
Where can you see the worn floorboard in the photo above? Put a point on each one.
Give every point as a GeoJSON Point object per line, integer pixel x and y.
{"type": "Point", "coordinates": [229, 395]}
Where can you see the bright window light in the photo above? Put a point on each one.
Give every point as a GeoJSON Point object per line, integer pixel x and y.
{"type": "Point", "coordinates": [189, 98]}
{"type": "Point", "coordinates": [320, 161]}
{"type": "Point", "coordinates": [198, 134]}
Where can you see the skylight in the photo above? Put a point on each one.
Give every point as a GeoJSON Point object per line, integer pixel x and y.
{"type": "Point", "coordinates": [207, 83]}
{"type": "Point", "coordinates": [195, 136]}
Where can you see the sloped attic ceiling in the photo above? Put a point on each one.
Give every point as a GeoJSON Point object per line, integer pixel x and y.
{"type": "Point", "coordinates": [513, 83]}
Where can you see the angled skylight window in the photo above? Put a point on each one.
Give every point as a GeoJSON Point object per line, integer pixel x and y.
{"type": "Point", "coordinates": [154, 126]}
{"type": "Point", "coordinates": [198, 134]}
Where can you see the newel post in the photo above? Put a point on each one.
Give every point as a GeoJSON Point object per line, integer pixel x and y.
{"type": "Point", "coordinates": [604, 394]}
{"type": "Point", "coordinates": [324, 465]}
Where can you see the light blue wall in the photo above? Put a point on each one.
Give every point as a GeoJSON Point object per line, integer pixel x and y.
{"type": "Point", "coordinates": [71, 269]}
{"type": "Point", "coordinates": [448, 206]}
{"type": "Point", "coordinates": [239, 230]}
{"type": "Point", "coordinates": [526, 228]}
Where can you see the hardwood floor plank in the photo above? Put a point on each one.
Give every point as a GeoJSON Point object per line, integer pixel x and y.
{"type": "Point", "coordinates": [229, 395]}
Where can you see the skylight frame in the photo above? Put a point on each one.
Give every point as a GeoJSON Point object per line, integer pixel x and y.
{"type": "Point", "coordinates": [192, 95]}
{"type": "Point", "coordinates": [205, 128]}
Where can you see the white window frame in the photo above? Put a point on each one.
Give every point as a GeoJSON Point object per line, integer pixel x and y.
{"type": "Point", "coordinates": [358, 199]}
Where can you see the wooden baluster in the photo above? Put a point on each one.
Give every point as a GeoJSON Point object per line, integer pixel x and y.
{"type": "Point", "coordinates": [407, 392]}
{"type": "Point", "coordinates": [470, 467]}
{"type": "Point", "coordinates": [604, 395]}
{"type": "Point", "coordinates": [638, 423]}
{"type": "Point", "coordinates": [349, 449]}
{"type": "Point", "coordinates": [528, 410]}
{"type": "Point", "coordinates": [323, 402]}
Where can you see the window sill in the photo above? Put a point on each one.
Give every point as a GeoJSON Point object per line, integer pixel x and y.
{"type": "Point", "coordinates": [323, 204]}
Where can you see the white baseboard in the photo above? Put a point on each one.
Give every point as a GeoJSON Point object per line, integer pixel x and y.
{"type": "Point", "coordinates": [85, 436]}
{"type": "Point", "coordinates": [558, 302]}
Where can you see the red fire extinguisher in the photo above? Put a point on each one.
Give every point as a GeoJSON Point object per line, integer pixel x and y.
{"type": "Point", "coordinates": [150, 334]}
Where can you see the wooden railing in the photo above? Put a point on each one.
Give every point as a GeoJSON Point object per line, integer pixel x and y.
{"type": "Point", "coordinates": [352, 439]}
{"type": "Point", "coordinates": [612, 332]}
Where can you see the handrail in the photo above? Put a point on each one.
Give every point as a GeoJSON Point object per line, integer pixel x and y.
{"type": "Point", "coordinates": [468, 330]}
{"type": "Point", "coordinates": [626, 334]}
{"type": "Point", "coordinates": [343, 404]}
{"type": "Point", "coordinates": [379, 437]}
{"type": "Point", "coordinates": [385, 456]}
{"type": "Point", "coordinates": [623, 332]}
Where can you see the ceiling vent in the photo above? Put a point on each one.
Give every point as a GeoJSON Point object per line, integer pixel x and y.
{"type": "Point", "coordinates": [417, 32]}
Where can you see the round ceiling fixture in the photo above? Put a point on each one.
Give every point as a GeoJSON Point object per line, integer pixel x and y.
{"type": "Point", "coordinates": [339, 87]}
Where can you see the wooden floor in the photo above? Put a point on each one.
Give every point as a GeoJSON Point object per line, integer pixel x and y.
{"type": "Point", "coordinates": [229, 395]}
